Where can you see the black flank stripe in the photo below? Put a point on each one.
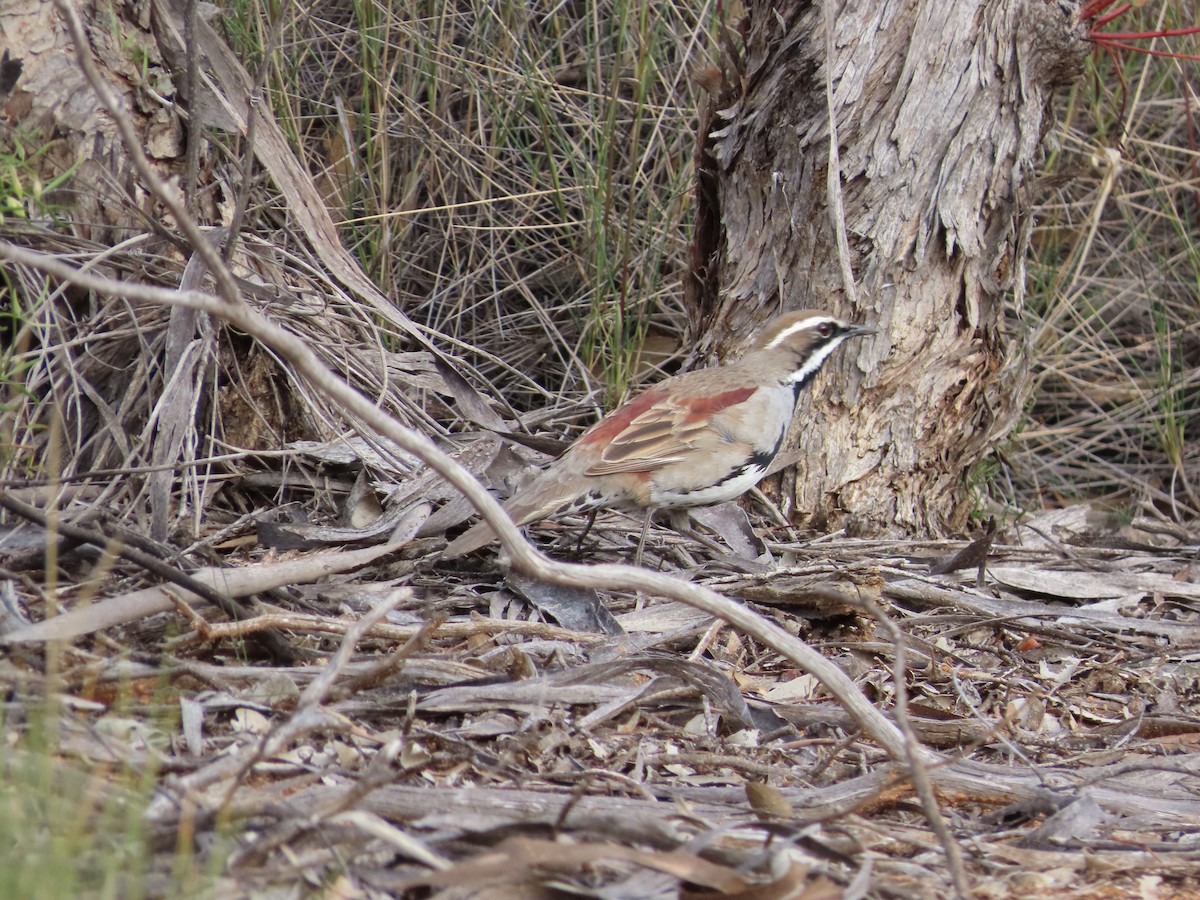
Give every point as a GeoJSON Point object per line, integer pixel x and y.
{"type": "Point", "coordinates": [763, 458]}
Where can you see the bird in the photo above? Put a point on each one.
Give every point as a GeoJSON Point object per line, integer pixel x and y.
{"type": "Point", "coordinates": [693, 439]}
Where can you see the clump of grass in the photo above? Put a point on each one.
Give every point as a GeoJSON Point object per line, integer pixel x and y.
{"type": "Point", "coordinates": [25, 192]}
{"type": "Point", "coordinates": [516, 177]}
{"type": "Point", "coordinates": [66, 832]}
{"type": "Point", "coordinates": [19, 323]}
{"type": "Point", "coordinates": [28, 182]}
{"type": "Point", "coordinates": [1115, 287]}
{"type": "Point", "coordinates": [71, 826]}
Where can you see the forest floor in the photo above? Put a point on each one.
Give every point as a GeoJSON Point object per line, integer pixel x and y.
{"type": "Point", "coordinates": [417, 726]}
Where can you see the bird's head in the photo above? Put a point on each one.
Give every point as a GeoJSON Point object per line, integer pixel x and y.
{"type": "Point", "coordinates": [809, 337]}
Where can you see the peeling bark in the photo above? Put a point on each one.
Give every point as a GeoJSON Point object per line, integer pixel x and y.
{"type": "Point", "coordinates": [940, 113]}
{"type": "Point", "coordinates": [52, 103]}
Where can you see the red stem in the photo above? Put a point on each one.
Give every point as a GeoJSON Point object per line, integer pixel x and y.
{"type": "Point", "coordinates": [1119, 11]}
{"type": "Point", "coordinates": [1093, 8]}
{"type": "Point", "coordinates": [1134, 48]}
{"type": "Point", "coordinates": [1146, 35]}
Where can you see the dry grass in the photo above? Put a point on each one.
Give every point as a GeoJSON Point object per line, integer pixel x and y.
{"type": "Point", "coordinates": [515, 176]}
{"type": "Point", "coordinates": [518, 180]}
{"type": "Point", "coordinates": [100, 396]}
{"type": "Point", "coordinates": [1115, 294]}
{"type": "Point", "coordinates": [515, 179]}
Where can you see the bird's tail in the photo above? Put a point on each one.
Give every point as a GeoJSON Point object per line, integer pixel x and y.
{"type": "Point", "coordinates": [470, 540]}
{"type": "Point", "coordinates": [546, 494]}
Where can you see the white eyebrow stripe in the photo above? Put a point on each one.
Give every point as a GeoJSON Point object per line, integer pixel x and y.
{"type": "Point", "coordinates": [805, 325]}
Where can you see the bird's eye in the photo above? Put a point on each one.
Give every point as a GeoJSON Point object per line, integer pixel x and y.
{"type": "Point", "coordinates": [825, 329]}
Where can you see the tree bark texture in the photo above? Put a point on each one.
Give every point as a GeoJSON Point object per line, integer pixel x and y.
{"type": "Point", "coordinates": [53, 102]}
{"type": "Point", "coordinates": [940, 111]}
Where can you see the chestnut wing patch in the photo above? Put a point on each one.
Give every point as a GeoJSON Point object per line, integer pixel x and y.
{"type": "Point", "coordinates": [659, 432]}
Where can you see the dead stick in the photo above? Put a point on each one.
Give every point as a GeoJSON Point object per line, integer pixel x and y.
{"type": "Point", "coordinates": [271, 640]}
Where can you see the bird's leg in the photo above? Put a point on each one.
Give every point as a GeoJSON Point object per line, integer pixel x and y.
{"type": "Point", "coordinates": [637, 559]}
{"type": "Point", "coordinates": [686, 524]}
{"type": "Point", "coordinates": [591, 520]}
{"type": "Point", "coordinates": [681, 521]}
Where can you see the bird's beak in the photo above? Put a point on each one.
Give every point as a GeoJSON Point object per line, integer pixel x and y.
{"type": "Point", "coordinates": [856, 330]}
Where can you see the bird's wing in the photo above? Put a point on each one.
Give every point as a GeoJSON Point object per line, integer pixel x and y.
{"type": "Point", "coordinates": [653, 434]}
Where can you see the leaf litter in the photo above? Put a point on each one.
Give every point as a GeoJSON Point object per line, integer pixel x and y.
{"type": "Point", "coordinates": [439, 748]}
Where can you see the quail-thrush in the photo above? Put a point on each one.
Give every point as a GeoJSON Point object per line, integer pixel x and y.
{"type": "Point", "coordinates": [693, 439]}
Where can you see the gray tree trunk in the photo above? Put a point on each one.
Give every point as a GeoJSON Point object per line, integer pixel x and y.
{"type": "Point", "coordinates": [940, 111]}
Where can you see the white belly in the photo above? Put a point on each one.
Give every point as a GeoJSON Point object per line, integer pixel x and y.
{"type": "Point", "coordinates": [672, 498]}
